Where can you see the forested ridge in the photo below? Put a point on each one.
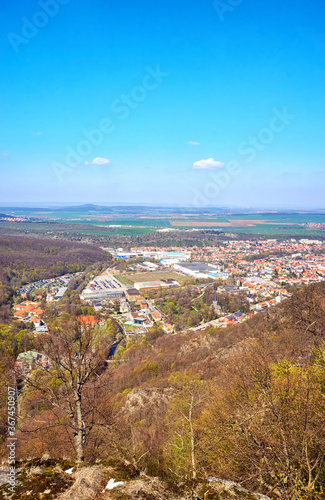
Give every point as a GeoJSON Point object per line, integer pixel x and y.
{"type": "Point", "coordinates": [24, 260]}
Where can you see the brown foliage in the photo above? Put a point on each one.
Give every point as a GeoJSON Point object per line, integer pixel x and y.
{"type": "Point", "coordinates": [262, 421]}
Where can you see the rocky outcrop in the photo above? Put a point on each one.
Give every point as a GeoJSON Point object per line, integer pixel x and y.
{"type": "Point", "coordinates": [147, 398]}
{"type": "Point", "coordinates": [153, 488]}
{"type": "Point", "coordinates": [89, 481]}
{"type": "Point", "coordinates": [59, 480]}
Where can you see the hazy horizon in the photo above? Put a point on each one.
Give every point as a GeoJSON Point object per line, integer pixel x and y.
{"type": "Point", "coordinates": [54, 205]}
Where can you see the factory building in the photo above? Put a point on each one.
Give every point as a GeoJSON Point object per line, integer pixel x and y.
{"type": "Point", "coordinates": [101, 295]}
{"type": "Point", "coordinates": [168, 283]}
{"type": "Point", "coordinates": [194, 269]}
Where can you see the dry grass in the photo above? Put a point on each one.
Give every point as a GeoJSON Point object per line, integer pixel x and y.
{"type": "Point", "coordinates": [34, 471]}
{"type": "Point", "coordinates": [89, 481]}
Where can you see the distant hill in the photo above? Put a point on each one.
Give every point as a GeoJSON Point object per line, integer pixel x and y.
{"type": "Point", "coordinates": [85, 208]}
{"type": "Point", "coordinates": [78, 208]}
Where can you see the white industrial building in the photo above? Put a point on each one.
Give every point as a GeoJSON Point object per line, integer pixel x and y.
{"type": "Point", "coordinates": [103, 287]}
{"type": "Point", "coordinates": [194, 269]}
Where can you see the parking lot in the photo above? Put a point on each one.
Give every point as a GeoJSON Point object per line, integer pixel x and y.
{"type": "Point", "coordinates": [60, 281]}
{"type": "Point", "coordinates": [107, 282]}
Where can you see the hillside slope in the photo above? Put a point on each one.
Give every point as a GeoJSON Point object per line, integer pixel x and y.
{"type": "Point", "coordinates": [244, 403]}
{"type": "Point", "coordinates": [25, 259]}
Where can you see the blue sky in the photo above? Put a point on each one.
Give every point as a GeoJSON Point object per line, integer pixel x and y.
{"type": "Point", "coordinates": [210, 103]}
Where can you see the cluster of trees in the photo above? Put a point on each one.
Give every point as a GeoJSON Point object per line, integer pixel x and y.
{"type": "Point", "coordinates": [246, 403]}
{"type": "Point", "coordinates": [233, 302]}
{"type": "Point", "coordinates": [92, 234]}
{"type": "Point", "coordinates": [174, 239]}
{"type": "Point", "coordinates": [266, 254]}
{"type": "Point", "coordinates": [13, 341]}
{"type": "Point", "coordinates": [63, 387]}
{"type": "Point", "coordinates": [123, 265]}
{"type": "Point", "coordinates": [187, 307]}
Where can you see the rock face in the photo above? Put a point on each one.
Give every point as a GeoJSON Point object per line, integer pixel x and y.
{"type": "Point", "coordinates": [235, 488]}
{"type": "Point", "coordinates": [147, 398]}
{"type": "Point", "coordinates": [154, 489]}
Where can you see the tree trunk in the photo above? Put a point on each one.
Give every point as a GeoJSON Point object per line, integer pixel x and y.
{"type": "Point", "coordinates": [79, 434]}
{"type": "Point", "coordinates": [193, 462]}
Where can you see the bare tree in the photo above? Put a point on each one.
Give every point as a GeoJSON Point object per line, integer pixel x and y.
{"type": "Point", "coordinates": [185, 410]}
{"type": "Point", "coordinates": [72, 356]}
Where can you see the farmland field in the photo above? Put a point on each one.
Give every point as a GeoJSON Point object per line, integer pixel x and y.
{"type": "Point", "coordinates": [99, 221]}
{"type": "Point", "coordinates": [230, 223]}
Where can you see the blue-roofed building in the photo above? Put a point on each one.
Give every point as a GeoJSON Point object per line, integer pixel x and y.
{"type": "Point", "coordinates": [218, 275]}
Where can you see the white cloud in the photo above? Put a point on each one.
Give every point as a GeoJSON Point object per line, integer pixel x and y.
{"type": "Point", "coordinates": [5, 153]}
{"type": "Point", "coordinates": [100, 161]}
{"type": "Point", "coordinates": [37, 133]}
{"type": "Point", "coordinates": [194, 143]}
{"type": "Point", "coordinates": [209, 164]}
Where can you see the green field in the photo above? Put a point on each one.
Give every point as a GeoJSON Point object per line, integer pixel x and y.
{"type": "Point", "coordinates": [127, 279]}
{"type": "Point", "coordinates": [123, 279]}
{"type": "Point", "coordinates": [136, 221]}
{"type": "Point", "coordinates": [112, 231]}
{"type": "Point", "coordinates": [268, 230]}
{"type": "Point", "coordinates": [77, 228]}
{"type": "Point", "coordinates": [144, 225]}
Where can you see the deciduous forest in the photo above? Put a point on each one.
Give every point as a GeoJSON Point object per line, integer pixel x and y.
{"type": "Point", "coordinates": [244, 403]}
{"type": "Point", "coordinates": [24, 260]}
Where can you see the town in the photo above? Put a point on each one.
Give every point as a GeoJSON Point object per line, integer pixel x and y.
{"type": "Point", "coordinates": [253, 275]}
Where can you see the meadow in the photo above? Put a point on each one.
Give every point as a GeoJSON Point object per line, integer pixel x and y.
{"type": "Point", "coordinates": [129, 279]}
